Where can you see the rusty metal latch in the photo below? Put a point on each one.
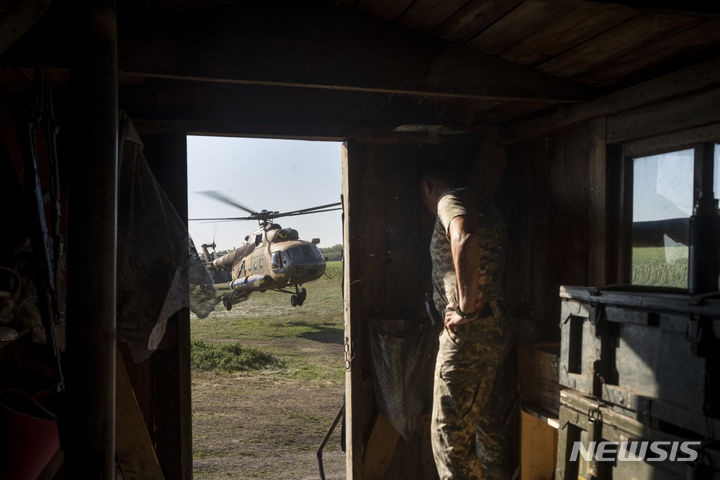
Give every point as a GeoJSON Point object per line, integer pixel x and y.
{"type": "Point", "coordinates": [349, 353]}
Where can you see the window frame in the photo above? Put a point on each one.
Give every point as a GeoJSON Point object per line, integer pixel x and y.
{"type": "Point", "coordinates": [620, 180]}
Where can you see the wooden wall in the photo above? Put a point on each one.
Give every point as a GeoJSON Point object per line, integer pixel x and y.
{"type": "Point", "coordinates": [387, 234]}
{"type": "Point", "coordinates": [552, 196]}
{"type": "Point", "coordinates": [567, 191]}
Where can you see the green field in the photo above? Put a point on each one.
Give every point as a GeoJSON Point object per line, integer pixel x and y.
{"type": "Point", "coordinates": [268, 378]}
{"type": "Point", "coordinates": [659, 266]}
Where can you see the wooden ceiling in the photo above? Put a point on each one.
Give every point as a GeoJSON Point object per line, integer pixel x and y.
{"type": "Point", "coordinates": [595, 43]}
{"type": "Point", "coordinates": [379, 64]}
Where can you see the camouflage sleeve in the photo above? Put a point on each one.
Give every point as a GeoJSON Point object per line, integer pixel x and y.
{"type": "Point", "coordinates": [449, 207]}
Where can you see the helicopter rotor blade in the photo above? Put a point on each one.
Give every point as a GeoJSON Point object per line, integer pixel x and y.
{"type": "Point", "coordinates": [225, 199]}
{"type": "Point", "coordinates": [220, 219]}
{"type": "Point", "coordinates": [295, 214]}
{"type": "Point", "coordinates": [307, 210]}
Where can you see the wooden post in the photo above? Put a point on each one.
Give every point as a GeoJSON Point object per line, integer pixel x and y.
{"type": "Point", "coordinates": [170, 364]}
{"type": "Point", "coordinates": [88, 429]}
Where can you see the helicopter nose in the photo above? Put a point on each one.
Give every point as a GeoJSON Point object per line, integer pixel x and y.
{"type": "Point", "coordinates": [312, 270]}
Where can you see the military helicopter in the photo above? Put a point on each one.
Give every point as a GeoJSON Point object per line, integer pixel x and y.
{"type": "Point", "coordinates": [272, 258]}
{"type": "Point", "coordinates": [218, 276]}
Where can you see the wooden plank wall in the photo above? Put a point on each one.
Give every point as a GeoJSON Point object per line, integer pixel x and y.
{"type": "Point", "coordinates": [387, 234]}
{"type": "Point", "coordinates": [553, 197]}
{"type": "Point", "coordinates": [567, 195]}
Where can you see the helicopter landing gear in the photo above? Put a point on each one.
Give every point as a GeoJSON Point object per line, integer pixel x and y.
{"type": "Point", "coordinates": [226, 302]}
{"type": "Point", "coordinates": [299, 298]}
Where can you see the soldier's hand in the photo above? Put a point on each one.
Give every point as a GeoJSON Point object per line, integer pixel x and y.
{"type": "Point", "coordinates": [453, 319]}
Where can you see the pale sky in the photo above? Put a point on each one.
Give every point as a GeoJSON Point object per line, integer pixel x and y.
{"type": "Point", "coordinates": [263, 174]}
{"type": "Point", "coordinates": [663, 185]}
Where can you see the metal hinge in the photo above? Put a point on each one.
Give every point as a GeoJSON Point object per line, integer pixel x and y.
{"type": "Point", "coordinates": [349, 353]}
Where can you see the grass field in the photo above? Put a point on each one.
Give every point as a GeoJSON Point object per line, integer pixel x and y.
{"type": "Point", "coordinates": [650, 266]}
{"type": "Point", "coordinates": [267, 382]}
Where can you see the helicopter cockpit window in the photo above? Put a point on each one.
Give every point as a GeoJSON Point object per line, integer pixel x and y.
{"type": "Point", "coordinates": [286, 258]}
{"type": "Point", "coordinates": [258, 239]}
{"type": "Point", "coordinates": [311, 252]}
{"type": "Point", "coordinates": [275, 260]}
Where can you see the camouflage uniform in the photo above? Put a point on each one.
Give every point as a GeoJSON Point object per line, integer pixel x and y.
{"type": "Point", "coordinates": [471, 436]}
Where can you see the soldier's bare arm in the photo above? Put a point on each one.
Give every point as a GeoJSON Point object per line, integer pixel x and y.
{"type": "Point", "coordinates": [465, 247]}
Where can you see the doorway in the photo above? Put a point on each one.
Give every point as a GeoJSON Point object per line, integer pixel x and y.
{"type": "Point", "coordinates": [267, 376]}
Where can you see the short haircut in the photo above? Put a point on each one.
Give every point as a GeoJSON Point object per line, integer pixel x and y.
{"type": "Point", "coordinates": [443, 170]}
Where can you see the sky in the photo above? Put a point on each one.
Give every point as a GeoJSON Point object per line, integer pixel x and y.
{"type": "Point", "coordinates": [663, 185]}
{"type": "Point", "coordinates": [263, 174]}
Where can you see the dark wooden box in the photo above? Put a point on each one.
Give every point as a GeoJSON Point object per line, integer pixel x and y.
{"type": "Point", "coordinates": [652, 353]}
{"type": "Point", "coordinates": [538, 375]}
{"type": "Point", "coordinates": [589, 420]}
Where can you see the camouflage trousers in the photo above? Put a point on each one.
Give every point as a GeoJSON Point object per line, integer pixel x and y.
{"type": "Point", "coordinates": [475, 402]}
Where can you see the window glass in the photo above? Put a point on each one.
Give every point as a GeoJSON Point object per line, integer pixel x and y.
{"type": "Point", "coordinates": [308, 252]}
{"type": "Point", "coordinates": [275, 260]}
{"type": "Point", "coordinates": [716, 187]}
{"type": "Point", "coordinates": [662, 205]}
{"type": "Point", "coordinates": [261, 260]}
{"type": "Point", "coordinates": [296, 253]}
{"type": "Point", "coordinates": [286, 258]}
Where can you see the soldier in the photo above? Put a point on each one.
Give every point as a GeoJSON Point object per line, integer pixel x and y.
{"type": "Point", "coordinates": [471, 416]}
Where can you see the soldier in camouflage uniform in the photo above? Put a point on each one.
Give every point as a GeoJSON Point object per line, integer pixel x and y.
{"type": "Point", "coordinates": [472, 436]}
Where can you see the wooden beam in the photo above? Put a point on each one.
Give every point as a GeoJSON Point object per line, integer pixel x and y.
{"type": "Point", "coordinates": [675, 84]}
{"type": "Point", "coordinates": [89, 443]}
{"type": "Point", "coordinates": [253, 110]}
{"type": "Point", "coordinates": [323, 47]}
{"type": "Point", "coordinates": [16, 20]}
{"type": "Point", "coordinates": [692, 7]}
{"type": "Point", "coordinates": [597, 208]}
{"type": "Point", "coordinates": [672, 141]}
{"type": "Point", "coordinates": [663, 117]}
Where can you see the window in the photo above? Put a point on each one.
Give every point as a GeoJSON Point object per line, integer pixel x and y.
{"type": "Point", "coordinates": [261, 260]}
{"type": "Point", "coordinates": [663, 201]}
{"type": "Point", "coordinates": [258, 239]}
{"type": "Point", "coordinates": [275, 260]}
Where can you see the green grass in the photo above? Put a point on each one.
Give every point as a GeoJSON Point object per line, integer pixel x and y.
{"type": "Point", "coordinates": [298, 336]}
{"type": "Point", "coordinates": [231, 357]}
{"type": "Point", "coordinates": [658, 267]}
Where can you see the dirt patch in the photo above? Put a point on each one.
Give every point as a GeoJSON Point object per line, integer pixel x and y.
{"type": "Point", "coordinates": [262, 425]}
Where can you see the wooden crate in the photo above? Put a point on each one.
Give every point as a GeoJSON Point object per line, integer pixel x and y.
{"type": "Point", "coordinates": [588, 420]}
{"type": "Point", "coordinates": [538, 375]}
{"type": "Point", "coordinates": [538, 447]}
{"type": "Point", "coordinates": [646, 352]}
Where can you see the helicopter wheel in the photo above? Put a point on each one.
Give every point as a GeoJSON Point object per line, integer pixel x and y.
{"type": "Point", "coordinates": [227, 304]}
{"type": "Point", "coordinates": [302, 295]}
{"type": "Point", "coordinates": [294, 301]}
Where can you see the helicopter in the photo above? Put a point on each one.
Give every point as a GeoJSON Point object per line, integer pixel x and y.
{"type": "Point", "coordinates": [218, 276]}
{"type": "Point", "coordinates": [272, 258]}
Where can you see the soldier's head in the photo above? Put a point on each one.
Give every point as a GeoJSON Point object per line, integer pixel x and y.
{"type": "Point", "coordinates": [435, 179]}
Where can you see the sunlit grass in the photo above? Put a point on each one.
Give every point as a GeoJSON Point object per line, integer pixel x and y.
{"type": "Point", "coordinates": [660, 267]}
